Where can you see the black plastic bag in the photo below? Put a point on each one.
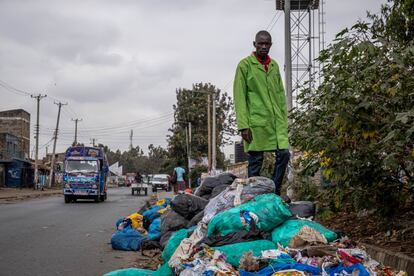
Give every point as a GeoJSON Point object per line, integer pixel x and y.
{"type": "Point", "coordinates": [172, 221]}
{"type": "Point", "coordinates": [217, 190]}
{"type": "Point", "coordinates": [164, 238]}
{"type": "Point", "coordinates": [303, 209]}
{"type": "Point", "coordinates": [188, 205]}
{"type": "Point", "coordinates": [196, 219]}
{"type": "Point", "coordinates": [236, 237]}
{"type": "Point", "coordinates": [211, 182]}
{"type": "Point", "coordinates": [150, 245]}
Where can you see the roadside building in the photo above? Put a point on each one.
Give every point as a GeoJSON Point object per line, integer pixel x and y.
{"type": "Point", "coordinates": [15, 166]}
{"type": "Point", "coordinates": [17, 122]}
{"type": "Point", "coordinates": [15, 171]}
{"type": "Point", "coordinates": [44, 169]}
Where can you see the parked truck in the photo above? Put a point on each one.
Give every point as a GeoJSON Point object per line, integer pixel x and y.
{"type": "Point", "coordinates": [85, 174]}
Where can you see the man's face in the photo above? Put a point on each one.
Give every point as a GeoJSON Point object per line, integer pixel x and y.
{"type": "Point", "coordinates": [262, 45]}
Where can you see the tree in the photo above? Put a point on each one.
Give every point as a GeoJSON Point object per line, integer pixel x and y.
{"type": "Point", "coordinates": [191, 107]}
{"type": "Point", "coordinates": [156, 158]}
{"type": "Point", "coordinates": [358, 125]}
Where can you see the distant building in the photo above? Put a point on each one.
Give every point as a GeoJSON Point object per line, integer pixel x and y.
{"type": "Point", "coordinates": [15, 167]}
{"type": "Point", "coordinates": [59, 157]}
{"type": "Point", "coordinates": [15, 171]}
{"type": "Point", "coordinates": [17, 122]}
{"type": "Point", "coordinates": [9, 147]}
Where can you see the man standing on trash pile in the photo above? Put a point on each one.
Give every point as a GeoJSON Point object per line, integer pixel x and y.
{"type": "Point", "coordinates": [261, 112]}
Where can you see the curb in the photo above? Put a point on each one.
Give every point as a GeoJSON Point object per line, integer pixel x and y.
{"type": "Point", "coordinates": [13, 198]}
{"type": "Point", "coordinates": [394, 260]}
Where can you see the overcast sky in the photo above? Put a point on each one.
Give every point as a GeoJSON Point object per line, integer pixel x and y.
{"type": "Point", "coordinates": [118, 63]}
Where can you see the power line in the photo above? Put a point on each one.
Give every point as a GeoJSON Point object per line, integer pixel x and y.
{"type": "Point", "coordinates": [13, 89]}
{"type": "Point", "coordinates": [277, 19]}
{"type": "Point", "coordinates": [126, 128]}
{"type": "Point", "coordinates": [271, 21]}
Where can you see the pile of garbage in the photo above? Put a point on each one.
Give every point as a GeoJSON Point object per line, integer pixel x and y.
{"type": "Point", "coordinates": [232, 226]}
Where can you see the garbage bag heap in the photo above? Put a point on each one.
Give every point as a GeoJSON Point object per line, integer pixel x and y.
{"type": "Point", "coordinates": [236, 226]}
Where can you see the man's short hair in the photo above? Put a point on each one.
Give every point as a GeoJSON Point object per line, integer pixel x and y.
{"type": "Point", "coordinates": [264, 33]}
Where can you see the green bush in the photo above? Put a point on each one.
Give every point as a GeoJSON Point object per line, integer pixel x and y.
{"type": "Point", "coordinates": [358, 125]}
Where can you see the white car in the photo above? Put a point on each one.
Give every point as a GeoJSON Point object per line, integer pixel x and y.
{"type": "Point", "coordinates": [160, 181]}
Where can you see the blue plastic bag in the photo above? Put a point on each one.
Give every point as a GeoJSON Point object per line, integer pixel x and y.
{"type": "Point", "coordinates": [128, 240]}
{"type": "Point", "coordinates": [348, 269]}
{"type": "Point", "coordinates": [154, 232]}
{"type": "Point", "coordinates": [152, 213]}
{"type": "Point", "coordinates": [270, 270]}
{"type": "Point", "coordinates": [167, 201]}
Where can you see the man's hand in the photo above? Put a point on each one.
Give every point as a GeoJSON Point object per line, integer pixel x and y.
{"type": "Point", "coordinates": [247, 135]}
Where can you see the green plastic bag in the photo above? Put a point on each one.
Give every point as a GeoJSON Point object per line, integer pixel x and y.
{"type": "Point", "coordinates": [269, 208]}
{"type": "Point", "coordinates": [285, 232]}
{"type": "Point", "coordinates": [164, 270]}
{"type": "Point", "coordinates": [235, 251]}
{"type": "Point", "coordinates": [130, 272]}
{"type": "Point", "coordinates": [172, 244]}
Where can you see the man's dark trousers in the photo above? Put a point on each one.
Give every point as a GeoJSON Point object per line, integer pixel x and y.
{"type": "Point", "coordinates": [282, 160]}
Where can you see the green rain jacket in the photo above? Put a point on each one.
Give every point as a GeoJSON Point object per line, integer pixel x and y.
{"type": "Point", "coordinates": [261, 105]}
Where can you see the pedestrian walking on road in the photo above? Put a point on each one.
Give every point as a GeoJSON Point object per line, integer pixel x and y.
{"type": "Point", "coordinates": [261, 112]}
{"type": "Point", "coordinates": [178, 178]}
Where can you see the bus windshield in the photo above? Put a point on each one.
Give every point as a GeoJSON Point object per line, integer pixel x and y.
{"type": "Point", "coordinates": [81, 166]}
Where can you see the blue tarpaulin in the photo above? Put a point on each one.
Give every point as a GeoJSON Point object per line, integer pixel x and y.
{"type": "Point", "coordinates": [271, 269]}
{"type": "Point", "coordinates": [152, 213]}
{"type": "Point", "coordinates": [154, 232]}
{"type": "Point", "coordinates": [128, 239]}
{"type": "Point", "coordinates": [338, 270]}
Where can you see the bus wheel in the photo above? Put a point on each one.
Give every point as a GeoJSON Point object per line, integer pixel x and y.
{"type": "Point", "coordinates": [67, 199]}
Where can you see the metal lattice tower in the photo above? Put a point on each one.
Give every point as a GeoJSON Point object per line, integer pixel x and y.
{"type": "Point", "coordinates": [304, 32]}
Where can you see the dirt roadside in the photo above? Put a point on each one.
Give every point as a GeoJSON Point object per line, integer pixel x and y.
{"type": "Point", "coordinates": [396, 235]}
{"type": "Point", "coordinates": [11, 195]}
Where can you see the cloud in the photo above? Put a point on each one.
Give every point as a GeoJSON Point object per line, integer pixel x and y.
{"type": "Point", "coordinates": [117, 62]}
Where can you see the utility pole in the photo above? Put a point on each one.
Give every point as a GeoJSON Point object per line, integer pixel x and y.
{"type": "Point", "coordinates": [93, 140]}
{"type": "Point", "coordinates": [189, 154]}
{"type": "Point", "coordinates": [209, 131]}
{"type": "Point", "coordinates": [214, 136]}
{"type": "Point", "coordinates": [52, 163]}
{"type": "Point", "coordinates": [131, 135]}
{"type": "Point", "coordinates": [288, 56]}
{"type": "Point", "coordinates": [36, 176]}
{"type": "Point", "coordinates": [76, 130]}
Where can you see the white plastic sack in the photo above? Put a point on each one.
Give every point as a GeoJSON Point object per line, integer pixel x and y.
{"type": "Point", "coordinates": [226, 199]}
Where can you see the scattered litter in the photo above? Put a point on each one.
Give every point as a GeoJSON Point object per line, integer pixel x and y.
{"type": "Point", "coordinates": [233, 226]}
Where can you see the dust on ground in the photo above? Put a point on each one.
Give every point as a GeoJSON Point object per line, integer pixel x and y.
{"type": "Point", "coordinates": [396, 234]}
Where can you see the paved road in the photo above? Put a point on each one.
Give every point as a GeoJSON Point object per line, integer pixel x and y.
{"type": "Point", "coordinates": [48, 237]}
